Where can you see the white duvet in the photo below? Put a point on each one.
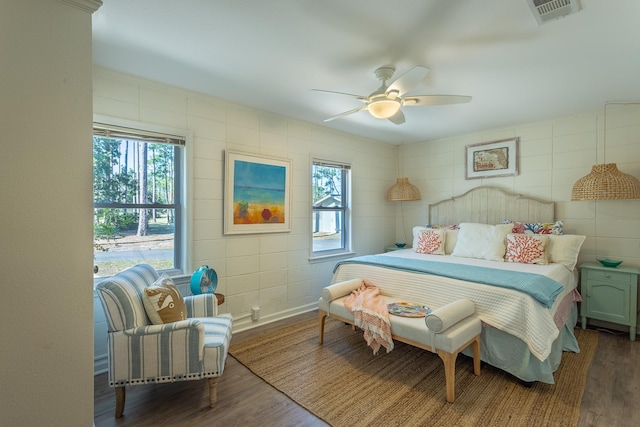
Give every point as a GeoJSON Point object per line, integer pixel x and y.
{"type": "Point", "coordinates": [508, 310]}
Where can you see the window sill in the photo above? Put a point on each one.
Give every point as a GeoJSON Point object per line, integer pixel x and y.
{"type": "Point", "coordinates": [322, 258]}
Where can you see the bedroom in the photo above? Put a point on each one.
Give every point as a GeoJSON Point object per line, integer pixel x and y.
{"type": "Point", "coordinates": [569, 142]}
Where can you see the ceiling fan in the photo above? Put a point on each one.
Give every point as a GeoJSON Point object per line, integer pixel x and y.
{"type": "Point", "coordinates": [385, 102]}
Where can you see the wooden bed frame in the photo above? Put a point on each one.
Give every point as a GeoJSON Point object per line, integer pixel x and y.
{"type": "Point", "coordinates": [491, 205]}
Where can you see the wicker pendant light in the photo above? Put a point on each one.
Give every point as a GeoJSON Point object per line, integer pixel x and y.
{"type": "Point", "coordinates": [606, 182]}
{"type": "Point", "coordinates": [403, 190]}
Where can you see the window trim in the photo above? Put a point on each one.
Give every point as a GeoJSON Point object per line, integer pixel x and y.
{"type": "Point", "coordinates": [346, 208]}
{"type": "Point", "coordinates": [184, 216]}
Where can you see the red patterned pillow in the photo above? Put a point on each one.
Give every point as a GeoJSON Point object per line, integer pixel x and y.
{"type": "Point", "coordinates": [431, 241]}
{"type": "Point", "coordinates": [526, 248]}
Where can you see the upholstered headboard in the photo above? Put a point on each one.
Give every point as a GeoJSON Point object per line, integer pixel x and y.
{"type": "Point", "coordinates": [490, 205]}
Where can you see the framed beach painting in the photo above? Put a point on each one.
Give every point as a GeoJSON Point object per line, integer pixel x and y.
{"type": "Point", "coordinates": [489, 159]}
{"type": "Point", "coordinates": [257, 196]}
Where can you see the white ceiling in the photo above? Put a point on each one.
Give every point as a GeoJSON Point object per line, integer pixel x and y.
{"type": "Point", "coordinates": [269, 54]}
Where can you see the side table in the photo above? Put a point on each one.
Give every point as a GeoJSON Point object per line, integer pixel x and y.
{"type": "Point", "coordinates": [610, 294]}
{"type": "Point", "coordinates": [395, 248]}
{"type": "Point", "coordinates": [220, 298]}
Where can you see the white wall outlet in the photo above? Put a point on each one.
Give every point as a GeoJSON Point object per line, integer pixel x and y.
{"type": "Point", "coordinates": [255, 313]}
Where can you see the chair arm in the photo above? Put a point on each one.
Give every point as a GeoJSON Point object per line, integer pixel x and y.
{"type": "Point", "coordinates": [448, 315]}
{"type": "Point", "coordinates": [203, 305]}
{"type": "Point", "coordinates": [149, 353]}
{"type": "Point", "coordinates": [167, 328]}
{"type": "Point", "coordinates": [340, 289]}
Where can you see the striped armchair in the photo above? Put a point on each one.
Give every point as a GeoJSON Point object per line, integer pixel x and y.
{"type": "Point", "coordinates": [142, 353]}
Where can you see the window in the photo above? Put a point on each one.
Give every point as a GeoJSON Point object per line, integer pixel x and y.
{"type": "Point", "coordinates": [330, 220]}
{"type": "Point", "coordinates": [137, 199]}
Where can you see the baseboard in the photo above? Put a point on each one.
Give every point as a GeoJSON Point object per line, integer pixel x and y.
{"type": "Point", "coordinates": [245, 324]}
{"type": "Point", "coordinates": [100, 364]}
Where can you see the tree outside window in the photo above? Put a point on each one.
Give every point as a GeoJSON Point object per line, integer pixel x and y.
{"type": "Point", "coordinates": [136, 204]}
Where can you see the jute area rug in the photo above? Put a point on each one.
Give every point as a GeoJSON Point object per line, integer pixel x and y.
{"type": "Point", "coordinates": [344, 384]}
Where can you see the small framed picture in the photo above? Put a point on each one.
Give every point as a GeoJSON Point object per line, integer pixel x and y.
{"type": "Point", "coordinates": [257, 196]}
{"type": "Point", "coordinates": [489, 159]}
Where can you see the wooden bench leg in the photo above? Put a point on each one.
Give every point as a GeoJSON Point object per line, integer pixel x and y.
{"type": "Point", "coordinates": [213, 391]}
{"type": "Point", "coordinates": [449, 360]}
{"type": "Point", "coordinates": [323, 317]}
{"type": "Point", "coordinates": [475, 346]}
{"type": "Point", "coordinates": [120, 398]}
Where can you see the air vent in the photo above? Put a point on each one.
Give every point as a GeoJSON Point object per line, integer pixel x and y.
{"type": "Point", "coordinates": [548, 10]}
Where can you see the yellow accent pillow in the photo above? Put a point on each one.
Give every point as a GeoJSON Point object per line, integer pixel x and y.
{"type": "Point", "coordinates": [163, 302]}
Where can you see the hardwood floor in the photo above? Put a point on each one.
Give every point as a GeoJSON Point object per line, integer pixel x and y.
{"type": "Point", "coordinates": [611, 398]}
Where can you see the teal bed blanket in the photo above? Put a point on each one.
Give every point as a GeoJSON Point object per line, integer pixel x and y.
{"type": "Point", "coordinates": [542, 288]}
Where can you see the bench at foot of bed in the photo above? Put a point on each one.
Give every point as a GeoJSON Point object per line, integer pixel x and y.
{"type": "Point", "coordinates": [446, 331]}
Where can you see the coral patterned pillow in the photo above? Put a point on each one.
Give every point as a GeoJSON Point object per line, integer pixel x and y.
{"type": "Point", "coordinates": [526, 248]}
{"type": "Point", "coordinates": [431, 241]}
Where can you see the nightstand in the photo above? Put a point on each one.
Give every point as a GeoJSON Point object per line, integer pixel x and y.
{"type": "Point", "coordinates": [610, 294]}
{"type": "Point", "coordinates": [395, 248]}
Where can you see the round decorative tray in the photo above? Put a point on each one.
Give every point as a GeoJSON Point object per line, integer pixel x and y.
{"type": "Point", "coordinates": [408, 309]}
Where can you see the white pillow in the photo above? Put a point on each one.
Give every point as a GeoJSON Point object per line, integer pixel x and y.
{"type": "Point", "coordinates": [430, 241]}
{"type": "Point", "coordinates": [564, 249]}
{"type": "Point", "coordinates": [482, 241]}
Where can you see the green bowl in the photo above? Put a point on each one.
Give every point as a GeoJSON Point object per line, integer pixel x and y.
{"type": "Point", "coordinates": [609, 262]}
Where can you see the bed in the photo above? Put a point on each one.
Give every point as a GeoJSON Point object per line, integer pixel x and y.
{"type": "Point", "coordinates": [525, 327]}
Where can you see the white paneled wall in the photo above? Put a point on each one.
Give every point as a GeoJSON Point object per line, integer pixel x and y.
{"type": "Point", "coordinates": [272, 271]}
{"type": "Point", "coordinates": [553, 155]}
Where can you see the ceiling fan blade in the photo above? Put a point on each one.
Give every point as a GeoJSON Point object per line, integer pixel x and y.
{"type": "Point", "coordinates": [346, 113]}
{"type": "Point", "coordinates": [421, 100]}
{"type": "Point", "coordinates": [408, 80]}
{"type": "Point", "coordinates": [360, 97]}
{"type": "Point", "coordinates": [397, 118]}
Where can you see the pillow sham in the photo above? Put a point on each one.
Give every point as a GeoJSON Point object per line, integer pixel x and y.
{"type": "Point", "coordinates": [564, 249]}
{"type": "Point", "coordinates": [431, 241]}
{"type": "Point", "coordinates": [526, 249]}
{"type": "Point", "coordinates": [482, 241]}
{"type": "Point", "coordinates": [416, 233]}
{"type": "Point", "coordinates": [536, 227]}
{"type": "Point", "coordinates": [451, 235]}
{"type": "Point", "coordinates": [163, 302]}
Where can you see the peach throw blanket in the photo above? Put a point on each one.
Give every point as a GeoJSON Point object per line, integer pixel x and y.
{"type": "Point", "coordinates": [371, 315]}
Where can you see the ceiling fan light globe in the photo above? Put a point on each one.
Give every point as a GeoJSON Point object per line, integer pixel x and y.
{"type": "Point", "coordinates": [383, 108]}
